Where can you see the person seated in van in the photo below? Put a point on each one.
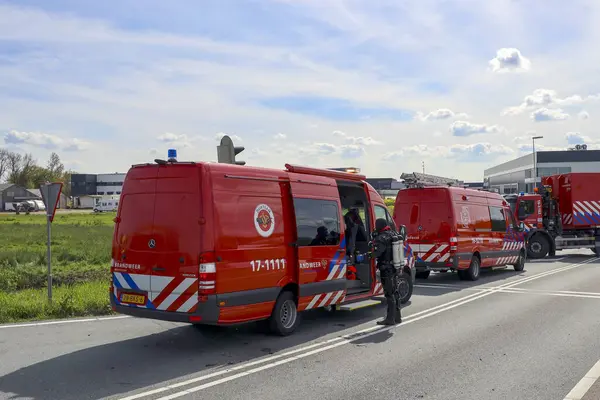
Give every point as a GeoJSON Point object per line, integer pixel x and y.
{"type": "Point", "coordinates": [321, 238]}
{"type": "Point", "coordinates": [353, 217]}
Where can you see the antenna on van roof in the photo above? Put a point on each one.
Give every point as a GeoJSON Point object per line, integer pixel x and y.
{"type": "Point", "coordinates": [416, 179]}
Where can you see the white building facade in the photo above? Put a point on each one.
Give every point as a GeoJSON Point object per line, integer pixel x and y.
{"type": "Point", "coordinates": [518, 175]}
{"type": "Point", "coordinates": [109, 184]}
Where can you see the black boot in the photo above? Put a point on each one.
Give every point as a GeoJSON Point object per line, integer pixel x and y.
{"type": "Point", "coordinates": [398, 316]}
{"type": "Point", "coordinates": [390, 316]}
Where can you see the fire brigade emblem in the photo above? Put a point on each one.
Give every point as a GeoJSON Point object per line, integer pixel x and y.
{"type": "Point", "coordinates": [323, 263]}
{"type": "Point", "coordinates": [264, 220]}
{"type": "Point", "coordinates": [465, 217]}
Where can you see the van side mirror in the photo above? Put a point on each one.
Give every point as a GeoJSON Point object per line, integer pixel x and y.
{"type": "Point", "coordinates": [521, 226]}
{"type": "Point", "coordinates": [402, 232]}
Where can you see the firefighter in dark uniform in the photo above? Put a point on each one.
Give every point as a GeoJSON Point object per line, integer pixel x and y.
{"type": "Point", "coordinates": [382, 251]}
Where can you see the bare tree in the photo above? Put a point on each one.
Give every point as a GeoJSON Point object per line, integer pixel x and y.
{"type": "Point", "coordinates": [3, 163]}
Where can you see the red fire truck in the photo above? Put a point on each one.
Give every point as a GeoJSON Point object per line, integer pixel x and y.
{"type": "Point", "coordinates": [563, 214]}
{"type": "Point", "coordinates": [222, 244]}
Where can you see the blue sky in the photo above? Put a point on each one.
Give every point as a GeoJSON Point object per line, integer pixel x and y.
{"type": "Point", "coordinates": [460, 85]}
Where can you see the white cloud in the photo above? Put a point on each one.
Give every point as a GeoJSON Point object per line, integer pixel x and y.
{"type": "Point", "coordinates": [45, 140]}
{"type": "Point", "coordinates": [280, 136]}
{"type": "Point", "coordinates": [583, 115]}
{"type": "Point", "coordinates": [234, 138]}
{"type": "Point", "coordinates": [175, 140]}
{"type": "Point", "coordinates": [509, 60]}
{"type": "Point", "coordinates": [440, 115]}
{"type": "Point", "coordinates": [547, 98]}
{"type": "Point", "coordinates": [356, 140]}
{"type": "Point", "coordinates": [546, 114]}
{"type": "Point", "coordinates": [575, 138]}
{"type": "Point", "coordinates": [464, 128]}
{"type": "Point", "coordinates": [464, 152]}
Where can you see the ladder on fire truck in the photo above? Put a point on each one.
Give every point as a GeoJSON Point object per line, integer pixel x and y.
{"type": "Point", "coordinates": [417, 179]}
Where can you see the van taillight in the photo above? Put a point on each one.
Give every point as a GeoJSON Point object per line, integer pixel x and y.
{"type": "Point", "coordinates": [453, 244]}
{"type": "Point", "coordinates": [207, 274]}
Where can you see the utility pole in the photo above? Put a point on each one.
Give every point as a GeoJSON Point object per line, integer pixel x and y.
{"type": "Point", "coordinates": [535, 170]}
{"type": "Point", "coordinates": [423, 165]}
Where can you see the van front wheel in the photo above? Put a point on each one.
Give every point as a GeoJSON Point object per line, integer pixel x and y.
{"type": "Point", "coordinates": [284, 318]}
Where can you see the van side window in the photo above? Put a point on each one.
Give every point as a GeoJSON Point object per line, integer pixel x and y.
{"type": "Point", "coordinates": [498, 219]}
{"type": "Point", "coordinates": [382, 212]}
{"type": "Point", "coordinates": [317, 222]}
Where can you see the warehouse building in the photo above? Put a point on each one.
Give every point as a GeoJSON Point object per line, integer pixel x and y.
{"type": "Point", "coordinates": [517, 175]}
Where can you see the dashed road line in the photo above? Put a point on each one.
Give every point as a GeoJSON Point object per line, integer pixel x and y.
{"type": "Point", "coordinates": [64, 321]}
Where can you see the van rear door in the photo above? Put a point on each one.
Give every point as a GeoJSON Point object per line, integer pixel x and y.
{"type": "Point", "coordinates": [435, 225]}
{"type": "Point", "coordinates": [158, 231]}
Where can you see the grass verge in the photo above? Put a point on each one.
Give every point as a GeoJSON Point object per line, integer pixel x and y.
{"type": "Point", "coordinates": [78, 300]}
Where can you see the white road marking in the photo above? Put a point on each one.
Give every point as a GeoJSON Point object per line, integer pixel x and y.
{"type": "Point", "coordinates": [336, 342]}
{"type": "Point", "coordinates": [64, 321]}
{"type": "Point", "coordinates": [565, 293]}
{"type": "Point", "coordinates": [584, 385]}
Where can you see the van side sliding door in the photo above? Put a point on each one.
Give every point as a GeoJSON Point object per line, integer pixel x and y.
{"type": "Point", "coordinates": [320, 244]}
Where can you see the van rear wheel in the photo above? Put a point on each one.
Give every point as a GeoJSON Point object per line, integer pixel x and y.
{"type": "Point", "coordinates": [472, 273]}
{"type": "Point", "coordinates": [405, 287]}
{"type": "Point", "coordinates": [284, 318]}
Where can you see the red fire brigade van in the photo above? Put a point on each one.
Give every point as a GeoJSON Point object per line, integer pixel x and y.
{"type": "Point", "coordinates": [222, 244]}
{"type": "Point", "coordinates": [457, 229]}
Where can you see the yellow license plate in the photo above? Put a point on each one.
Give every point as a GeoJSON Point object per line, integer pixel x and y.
{"type": "Point", "coordinates": [133, 298]}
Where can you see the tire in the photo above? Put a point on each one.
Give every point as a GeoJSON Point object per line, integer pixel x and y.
{"type": "Point", "coordinates": [422, 274]}
{"type": "Point", "coordinates": [520, 265]}
{"type": "Point", "coordinates": [472, 273]}
{"type": "Point", "coordinates": [537, 247]}
{"type": "Point", "coordinates": [285, 317]}
{"type": "Point", "coordinates": [405, 287]}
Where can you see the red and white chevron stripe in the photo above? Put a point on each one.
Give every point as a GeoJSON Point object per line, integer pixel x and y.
{"type": "Point", "coordinates": [338, 271]}
{"type": "Point", "coordinates": [507, 260]}
{"type": "Point", "coordinates": [590, 207]}
{"type": "Point", "coordinates": [512, 245]}
{"type": "Point", "coordinates": [326, 299]}
{"type": "Point", "coordinates": [438, 252]}
{"type": "Point", "coordinates": [567, 219]}
{"type": "Point", "coordinates": [378, 289]}
{"type": "Point", "coordinates": [175, 294]}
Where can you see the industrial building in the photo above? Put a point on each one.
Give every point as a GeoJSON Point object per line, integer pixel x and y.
{"type": "Point", "coordinates": [88, 189]}
{"type": "Point", "coordinates": [517, 175]}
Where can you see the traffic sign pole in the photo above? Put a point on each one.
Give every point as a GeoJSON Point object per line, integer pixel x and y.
{"type": "Point", "coordinates": [49, 256]}
{"type": "Point", "coordinates": [50, 196]}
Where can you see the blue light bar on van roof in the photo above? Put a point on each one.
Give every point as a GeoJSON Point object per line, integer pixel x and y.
{"type": "Point", "coordinates": [172, 155]}
{"type": "Point", "coordinates": [522, 194]}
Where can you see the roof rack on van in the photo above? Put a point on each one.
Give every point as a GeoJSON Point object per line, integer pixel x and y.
{"type": "Point", "coordinates": [416, 179]}
{"type": "Point", "coordinates": [299, 169]}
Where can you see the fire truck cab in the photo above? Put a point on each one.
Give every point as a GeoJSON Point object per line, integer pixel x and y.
{"type": "Point", "coordinates": [223, 244]}
{"type": "Point", "coordinates": [563, 214]}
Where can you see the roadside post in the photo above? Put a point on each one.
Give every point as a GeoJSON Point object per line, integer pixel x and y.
{"type": "Point", "coordinates": [50, 196]}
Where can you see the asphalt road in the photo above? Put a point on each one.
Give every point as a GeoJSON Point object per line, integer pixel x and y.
{"type": "Point", "coordinates": [530, 335]}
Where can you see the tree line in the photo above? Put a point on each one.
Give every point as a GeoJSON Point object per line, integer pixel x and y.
{"type": "Point", "coordinates": [23, 170]}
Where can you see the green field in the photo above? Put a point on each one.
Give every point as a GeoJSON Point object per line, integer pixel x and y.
{"type": "Point", "coordinates": [81, 251]}
{"type": "Point", "coordinates": [81, 248]}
